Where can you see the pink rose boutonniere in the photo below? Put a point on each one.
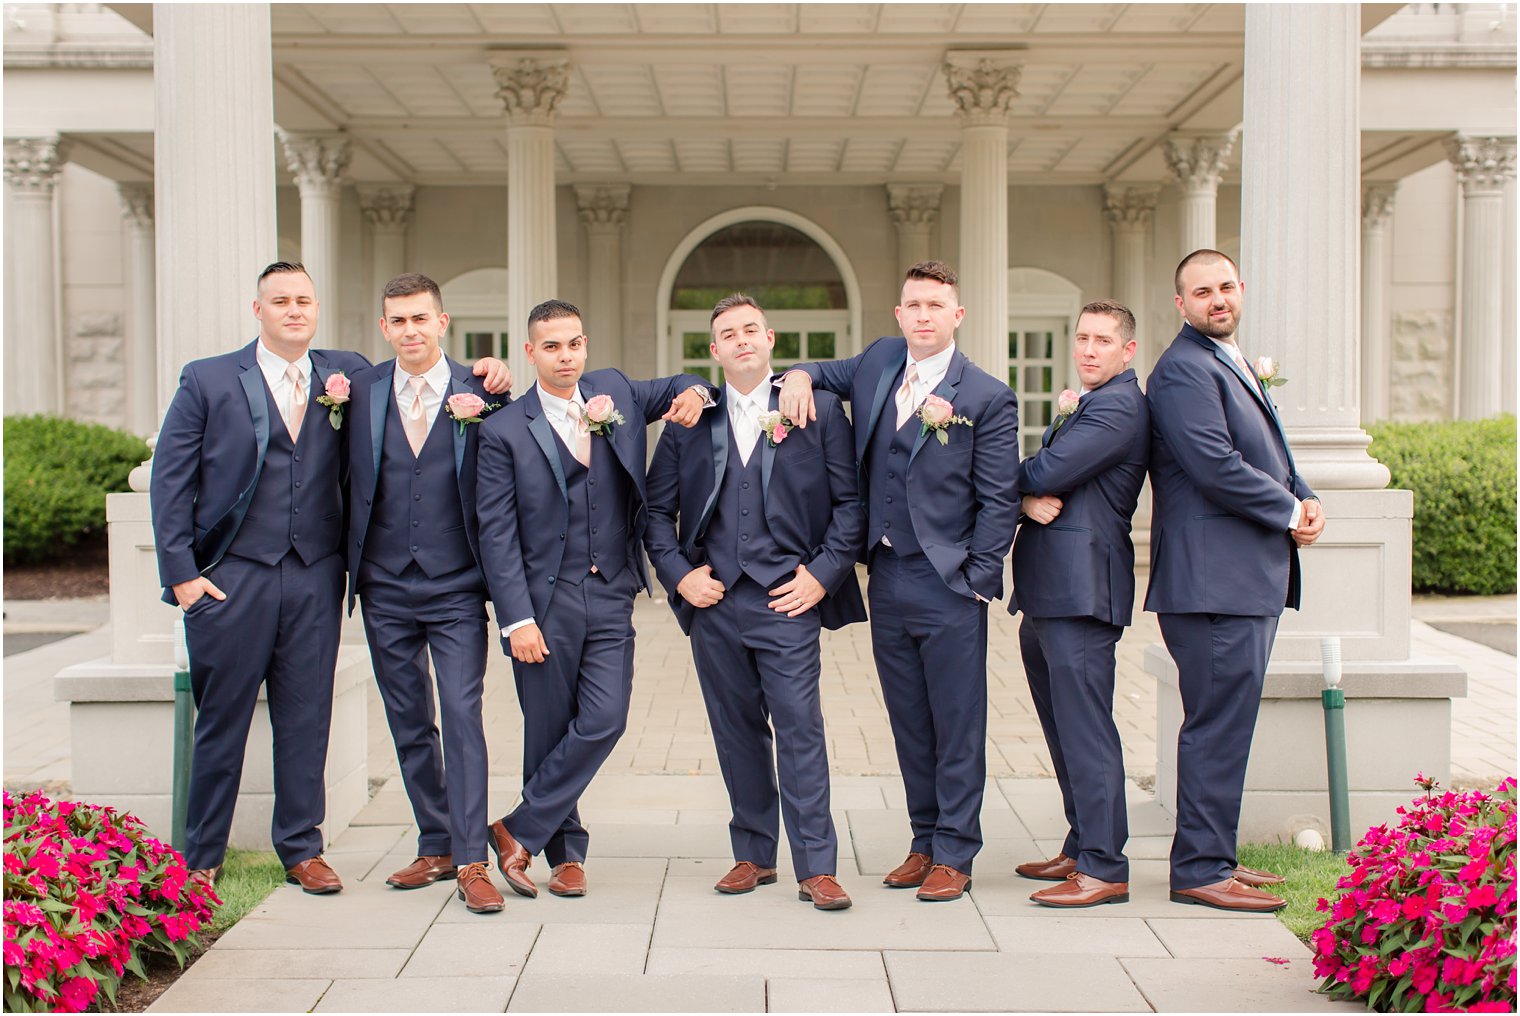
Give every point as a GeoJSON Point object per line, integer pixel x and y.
{"type": "Point", "coordinates": [937, 415]}
{"type": "Point", "coordinates": [775, 427]}
{"type": "Point", "coordinates": [601, 415]}
{"type": "Point", "coordinates": [1066, 404]}
{"type": "Point", "coordinates": [334, 396]}
{"type": "Point", "coordinates": [1267, 372]}
{"type": "Point", "coordinates": [468, 407]}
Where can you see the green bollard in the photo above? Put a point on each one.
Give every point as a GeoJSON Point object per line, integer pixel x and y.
{"type": "Point", "coordinates": [184, 736]}
{"type": "Point", "coordinates": [1334, 702]}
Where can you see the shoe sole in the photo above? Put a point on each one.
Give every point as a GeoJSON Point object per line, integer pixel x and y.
{"type": "Point", "coordinates": [1043, 878]}
{"type": "Point", "coordinates": [567, 893]}
{"type": "Point", "coordinates": [902, 885]}
{"type": "Point", "coordinates": [946, 899]}
{"type": "Point", "coordinates": [422, 885]}
{"type": "Point", "coordinates": [836, 905]}
{"type": "Point", "coordinates": [1121, 898]}
{"type": "Point", "coordinates": [762, 880]}
{"type": "Point", "coordinates": [1179, 898]}
{"type": "Point", "coordinates": [325, 891]}
{"type": "Point", "coordinates": [525, 891]}
{"type": "Point", "coordinates": [489, 908]}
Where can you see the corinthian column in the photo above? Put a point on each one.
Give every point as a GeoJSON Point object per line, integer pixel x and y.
{"type": "Point", "coordinates": [603, 210]}
{"type": "Point", "coordinates": [1197, 161]}
{"type": "Point", "coordinates": [32, 346]}
{"type": "Point", "coordinates": [1131, 210]}
{"type": "Point", "coordinates": [530, 88]}
{"type": "Point", "coordinates": [914, 209]}
{"type": "Point", "coordinates": [318, 162]}
{"type": "Point", "coordinates": [387, 207]}
{"type": "Point", "coordinates": [1377, 351]}
{"type": "Point", "coordinates": [142, 341]}
{"type": "Point", "coordinates": [1483, 166]}
{"type": "Point", "coordinates": [982, 91]}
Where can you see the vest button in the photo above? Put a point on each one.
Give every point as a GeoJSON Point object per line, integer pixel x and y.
{"type": "Point", "coordinates": [886, 525]}
{"type": "Point", "coordinates": [891, 475]}
{"type": "Point", "coordinates": [889, 500]}
{"type": "Point", "coordinates": [551, 580]}
{"type": "Point", "coordinates": [414, 548]}
{"type": "Point", "coordinates": [416, 497]}
{"type": "Point", "coordinates": [744, 511]}
{"type": "Point", "coordinates": [298, 458]}
{"type": "Point", "coordinates": [298, 483]}
{"type": "Point", "coordinates": [415, 523]}
{"type": "Point", "coordinates": [593, 530]}
{"type": "Point", "coordinates": [891, 451]}
{"type": "Point", "coordinates": [593, 507]}
{"type": "Point", "coordinates": [294, 537]}
{"type": "Point", "coordinates": [744, 537]}
{"type": "Point", "coordinates": [417, 472]}
{"type": "Point", "coordinates": [745, 485]}
{"type": "Point", "coordinates": [295, 511]}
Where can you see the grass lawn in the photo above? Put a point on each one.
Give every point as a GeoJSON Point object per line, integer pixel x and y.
{"type": "Point", "coordinates": [247, 877]}
{"type": "Point", "coordinates": [1311, 874]}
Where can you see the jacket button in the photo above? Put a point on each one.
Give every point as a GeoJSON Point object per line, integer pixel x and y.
{"type": "Point", "coordinates": [551, 580]}
{"type": "Point", "coordinates": [886, 525]}
{"type": "Point", "coordinates": [414, 548]}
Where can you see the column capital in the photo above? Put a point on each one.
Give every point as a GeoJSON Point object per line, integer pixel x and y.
{"type": "Point", "coordinates": [1197, 161]}
{"type": "Point", "coordinates": [603, 207]}
{"type": "Point", "coordinates": [1130, 205]}
{"type": "Point", "coordinates": [387, 207]}
{"type": "Point", "coordinates": [914, 207]}
{"type": "Point", "coordinates": [1377, 202]}
{"type": "Point", "coordinates": [1483, 164]}
{"type": "Point", "coordinates": [136, 204]}
{"type": "Point", "coordinates": [530, 88]}
{"type": "Point", "coordinates": [32, 165]}
{"type": "Point", "coordinates": [318, 160]}
{"type": "Point", "coordinates": [982, 87]}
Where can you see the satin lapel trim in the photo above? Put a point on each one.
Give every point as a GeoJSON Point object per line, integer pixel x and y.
{"type": "Point", "coordinates": [456, 387]}
{"type": "Point", "coordinates": [767, 453]}
{"type": "Point", "coordinates": [946, 391]}
{"type": "Point", "coordinates": [543, 433]}
{"type": "Point", "coordinates": [1255, 389]}
{"type": "Point", "coordinates": [718, 427]}
{"type": "Point", "coordinates": [379, 404]}
{"type": "Point", "coordinates": [882, 388]}
{"type": "Point", "coordinates": [258, 407]}
{"type": "Point", "coordinates": [1055, 431]}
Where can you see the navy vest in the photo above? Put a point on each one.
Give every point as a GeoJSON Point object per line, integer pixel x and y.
{"type": "Point", "coordinates": [597, 534]}
{"type": "Point", "coordinates": [887, 476]}
{"type": "Point", "coordinates": [417, 516]}
{"type": "Point", "coordinates": [738, 540]}
{"type": "Point", "coordinates": [298, 502]}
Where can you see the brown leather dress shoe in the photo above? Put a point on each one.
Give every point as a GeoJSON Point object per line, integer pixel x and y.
{"type": "Point", "coordinates": [1058, 869]}
{"type": "Point", "coordinates": [568, 879]}
{"type": "Point", "coordinates": [1231, 894]}
{"type": "Point", "coordinates": [1082, 890]}
{"type": "Point", "coordinates": [910, 874]}
{"type": "Point", "coordinates": [513, 859]}
{"type": "Point", "coordinates": [314, 876]}
{"type": "Point", "coordinates": [743, 877]}
{"type": "Point", "coordinates": [1257, 879]}
{"type": "Point", "coordinates": [823, 892]}
{"type": "Point", "coordinates": [475, 888]}
{"type": "Point", "coordinates": [426, 870]}
{"type": "Point", "coordinates": [207, 875]}
{"type": "Point", "coordinates": [943, 883]}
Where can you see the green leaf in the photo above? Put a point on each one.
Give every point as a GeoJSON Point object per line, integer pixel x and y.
{"type": "Point", "coordinates": [944, 438]}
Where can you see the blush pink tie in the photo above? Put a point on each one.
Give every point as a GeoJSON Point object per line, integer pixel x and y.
{"type": "Point", "coordinates": [416, 416]}
{"type": "Point", "coordinates": [583, 439]}
{"type": "Point", "coordinates": [905, 400]}
{"type": "Point", "coordinates": [295, 411]}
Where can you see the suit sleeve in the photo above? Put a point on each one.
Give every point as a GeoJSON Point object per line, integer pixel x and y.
{"type": "Point", "coordinates": [654, 397]}
{"type": "Point", "coordinates": [847, 523]}
{"type": "Point", "coordinates": [660, 539]}
{"type": "Point", "coordinates": [995, 480]}
{"type": "Point", "coordinates": [1187, 412]}
{"type": "Point", "coordinates": [496, 511]}
{"type": "Point", "coordinates": [837, 376]}
{"type": "Point", "coordinates": [176, 481]}
{"type": "Point", "coordinates": [1098, 440]}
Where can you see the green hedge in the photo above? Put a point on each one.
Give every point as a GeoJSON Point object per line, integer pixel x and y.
{"type": "Point", "coordinates": [57, 475]}
{"type": "Point", "coordinates": [1463, 476]}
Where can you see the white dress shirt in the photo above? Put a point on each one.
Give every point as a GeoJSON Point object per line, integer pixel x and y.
{"type": "Point", "coordinates": [273, 366]}
{"type": "Point", "coordinates": [434, 389]}
{"type": "Point", "coordinates": [744, 412]}
{"type": "Point", "coordinates": [931, 371]}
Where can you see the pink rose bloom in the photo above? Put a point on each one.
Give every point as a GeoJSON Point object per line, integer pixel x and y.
{"type": "Point", "coordinates": [779, 434]}
{"type": "Point", "coordinates": [465, 406]}
{"type": "Point", "coordinates": [336, 387]}
{"type": "Point", "coordinates": [1265, 367]}
{"type": "Point", "coordinates": [936, 411]}
{"type": "Point", "coordinates": [599, 408]}
{"type": "Point", "coordinates": [1067, 402]}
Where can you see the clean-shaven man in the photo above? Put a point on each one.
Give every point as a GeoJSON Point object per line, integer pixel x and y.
{"type": "Point", "coordinates": [1074, 580]}
{"type": "Point", "coordinates": [1231, 513]}
{"type": "Point", "coordinates": [561, 502]}
{"type": "Point", "coordinates": [936, 442]}
{"type": "Point", "coordinates": [413, 558]}
{"type": "Point", "coordinates": [754, 528]}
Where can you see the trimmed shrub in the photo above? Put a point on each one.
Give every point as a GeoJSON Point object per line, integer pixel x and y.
{"type": "Point", "coordinates": [1462, 473]}
{"type": "Point", "coordinates": [57, 475]}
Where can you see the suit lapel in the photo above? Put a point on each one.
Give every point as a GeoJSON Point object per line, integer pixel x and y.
{"type": "Point", "coordinates": [258, 406]}
{"type": "Point", "coordinates": [380, 393]}
{"type": "Point", "coordinates": [1052, 432]}
{"type": "Point", "coordinates": [543, 433]}
{"type": "Point", "coordinates": [457, 374]}
{"type": "Point", "coordinates": [717, 421]}
{"type": "Point", "coordinates": [767, 452]}
{"type": "Point", "coordinates": [883, 386]}
{"type": "Point", "coordinates": [946, 391]}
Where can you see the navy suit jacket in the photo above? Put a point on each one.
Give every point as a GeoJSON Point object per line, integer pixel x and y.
{"type": "Point", "coordinates": [210, 455]}
{"type": "Point", "coordinates": [372, 396]}
{"type": "Point", "coordinates": [1225, 487]}
{"type": "Point", "coordinates": [522, 501]}
{"type": "Point", "coordinates": [962, 496]}
{"type": "Point", "coordinates": [812, 503]}
{"type": "Point", "coordinates": [1083, 563]}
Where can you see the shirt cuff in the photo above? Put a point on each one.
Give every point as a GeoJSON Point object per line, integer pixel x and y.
{"type": "Point", "coordinates": [781, 378]}
{"type": "Point", "coordinates": [509, 629]}
{"type": "Point", "coordinates": [1298, 515]}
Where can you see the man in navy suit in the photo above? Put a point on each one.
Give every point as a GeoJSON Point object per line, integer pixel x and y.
{"type": "Point", "coordinates": [1074, 579]}
{"type": "Point", "coordinates": [561, 503]}
{"type": "Point", "coordinates": [414, 558]}
{"type": "Point", "coordinates": [247, 499]}
{"type": "Point", "coordinates": [754, 528]}
{"type": "Point", "coordinates": [936, 442]}
{"type": "Point", "coordinates": [1230, 513]}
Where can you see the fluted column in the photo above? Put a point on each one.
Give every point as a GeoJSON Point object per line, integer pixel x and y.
{"type": "Point", "coordinates": [33, 345]}
{"type": "Point", "coordinates": [1377, 348]}
{"type": "Point", "coordinates": [982, 91]}
{"type": "Point", "coordinates": [530, 89]}
{"type": "Point", "coordinates": [1483, 167]}
{"type": "Point", "coordinates": [914, 209]}
{"type": "Point", "coordinates": [319, 162]}
{"type": "Point", "coordinates": [213, 157]}
{"type": "Point", "coordinates": [1197, 161]}
{"type": "Point", "coordinates": [142, 338]}
{"type": "Point", "coordinates": [603, 211]}
{"type": "Point", "coordinates": [387, 207]}
{"type": "Point", "coordinates": [1131, 211]}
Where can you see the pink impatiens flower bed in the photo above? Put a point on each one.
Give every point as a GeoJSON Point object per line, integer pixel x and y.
{"type": "Point", "coordinates": [87, 893]}
{"type": "Point", "coordinates": [1426, 918]}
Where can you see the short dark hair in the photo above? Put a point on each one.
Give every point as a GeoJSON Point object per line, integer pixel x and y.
{"type": "Point", "coordinates": [280, 268]}
{"type": "Point", "coordinates": [936, 271]}
{"type": "Point", "coordinates": [731, 301]}
{"type": "Point", "coordinates": [410, 284]}
{"type": "Point", "coordinates": [1204, 256]}
{"type": "Point", "coordinates": [1118, 312]}
{"type": "Point", "coordinates": [551, 310]}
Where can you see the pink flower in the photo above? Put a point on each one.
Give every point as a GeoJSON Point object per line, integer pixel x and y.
{"type": "Point", "coordinates": [466, 406]}
{"type": "Point", "coordinates": [779, 434]}
{"type": "Point", "coordinates": [599, 408]}
{"type": "Point", "coordinates": [1067, 402]}
{"type": "Point", "coordinates": [336, 387]}
{"type": "Point", "coordinates": [936, 412]}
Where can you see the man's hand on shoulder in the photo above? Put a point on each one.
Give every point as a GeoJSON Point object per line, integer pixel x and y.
{"type": "Point", "coordinates": [187, 594]}
{"type": "Point", "coordinates": [497, 375]}
{"type": "Point", "coordinates": [528, 645]}
{"type": "Point", "coordinates": [686, 408]}
{"type": "Point", "coordinates": [1042, 508]}
{"type": "Point", "coordinates": [1312, 524]}
{"type": "Point", "coordinates": [699, 588]}
{"type": "Point", "coordinates": [796, 399]}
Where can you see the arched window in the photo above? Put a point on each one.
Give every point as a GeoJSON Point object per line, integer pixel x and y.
{"type": "Point", "coordinates": [1042, 315]}
{"type": "Point", "coordinates": [476, 303]}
